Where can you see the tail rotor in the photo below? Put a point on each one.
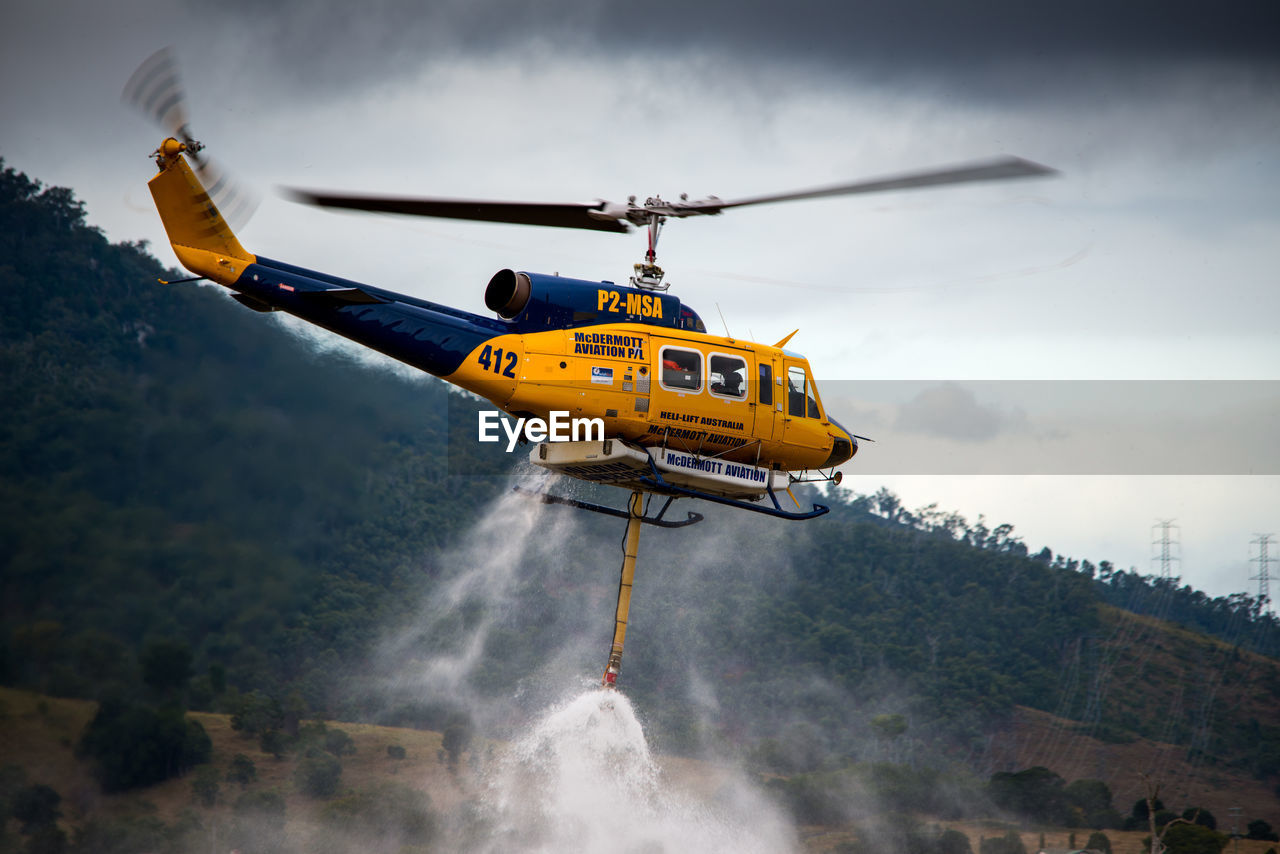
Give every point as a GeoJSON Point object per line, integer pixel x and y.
{"type": "Point", "coordinates": [155, 89]}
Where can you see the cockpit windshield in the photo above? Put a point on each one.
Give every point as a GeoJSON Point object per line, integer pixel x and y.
{"type": "Point", "coordinates": [801, 400]}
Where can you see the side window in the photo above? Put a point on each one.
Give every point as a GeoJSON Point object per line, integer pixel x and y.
{"type": "Point", "coordinates": [766, 384]}
{"type": "Point", "coordinates": [681, 369]}
{"type": "Point", "coordinates": [728, 376]}
{"type": "Point", "coordinates": [795, 391]}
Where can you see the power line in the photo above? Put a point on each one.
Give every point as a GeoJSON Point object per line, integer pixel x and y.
{"type": "Point", "coordinates": [1170, 550]}
{"type": "Point", "coordinates": [1263, 560]}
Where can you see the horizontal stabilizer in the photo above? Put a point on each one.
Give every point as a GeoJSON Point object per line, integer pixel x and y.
{"type": "Point", "coordinates": [253, 303]}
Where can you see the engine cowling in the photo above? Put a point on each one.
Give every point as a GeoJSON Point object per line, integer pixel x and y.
{"type": "Point", "coordinates": [535, 302]}
{"type": "Point", "coordinates": [508, 293]}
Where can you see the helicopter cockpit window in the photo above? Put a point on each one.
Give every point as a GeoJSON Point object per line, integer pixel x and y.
{"type": "Point", "coordinates": [801, 401]}
{"type": "Point", "coordinates": [795, 391]}
{"type": "Point", "coordinates": [689, 320]}
{"type": "Point", "coordinates": [728, 376]}
{"type": "Point", "coordinates": [681, 369]}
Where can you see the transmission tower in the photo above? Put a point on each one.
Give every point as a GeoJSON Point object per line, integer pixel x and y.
{"type": "Point", "coordinates": [1263, 560]}
{"type": "Point", "coordinates": [1166, 549]}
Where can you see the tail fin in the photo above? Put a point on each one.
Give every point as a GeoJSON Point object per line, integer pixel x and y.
{"type": "Point", "coordinates": [201, 238]}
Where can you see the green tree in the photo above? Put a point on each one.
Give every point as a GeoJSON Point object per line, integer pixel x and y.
{"type": "Point", "coordinates": [1098, 841]}
{"type": "Point", "coordinates": [134, 746]}
{"type": "Point", "coordinates": [1036, 793]}
{"type": "Point", "coordinates": [1260, 829]}
{"type": "Point", "coordinates": [217, 679]}
{"type": "Point", "coordinates": [166, 666]}
{"type": "Point", "coordinates": [338, 743]}
{"type": "Point", "coordinates": [1090, 800]}
{"type": "Point", "coordinates": [101, 659]}
{"type": "Point", "coordinates": [273, 742]}
{"type": "Point", "coordinates": [1192, 839]}
{"type": "Point", "coordinates": [35, 807]}
{"type": "Point", "coordinates": [318, 775]}
{"type": "Point", "coordinates": [1138, 816]}
{"type": "Point", "coordinates": [242, 770]}
{"type": "Point", "coordinates": [254, 713]}
{"type": "Point", "coordinates": [952, 841]}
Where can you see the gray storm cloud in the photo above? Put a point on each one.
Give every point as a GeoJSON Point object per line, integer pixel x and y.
{"type": "Point", "coordinates": [313, 46]}
{"type": "Point", "coordinates": [913, 32]}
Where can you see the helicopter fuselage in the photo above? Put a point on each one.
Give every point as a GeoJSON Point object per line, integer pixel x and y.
{"type": "Point", "coordinates": [640, 361]}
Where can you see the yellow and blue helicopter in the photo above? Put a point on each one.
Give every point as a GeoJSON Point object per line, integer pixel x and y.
{"type": "Point", "coordinates": [676, 411]}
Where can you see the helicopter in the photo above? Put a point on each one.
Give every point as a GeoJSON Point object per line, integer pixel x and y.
{"type": "Point", "coordinates": [668, 409]}
{"type": "Point", "coordinates": [677, 411]}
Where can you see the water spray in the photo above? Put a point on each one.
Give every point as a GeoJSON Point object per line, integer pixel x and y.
{"type": "Point", "coordinates": [569, 766]}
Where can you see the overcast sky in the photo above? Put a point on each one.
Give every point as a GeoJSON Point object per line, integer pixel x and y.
{"type": "Point", "coordinates": [1152, 256]}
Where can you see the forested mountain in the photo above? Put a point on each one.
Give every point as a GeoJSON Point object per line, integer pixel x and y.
{"type": "Point", "coordinates": [172, 466]}
{"type": "Point", "coordinates": [177, 470]}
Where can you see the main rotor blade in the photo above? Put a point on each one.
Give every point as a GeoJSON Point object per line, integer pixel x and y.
{"type": "Point", "coordinates": [991, 170]}
{"type": "Point", "coordinates": [519, 213]}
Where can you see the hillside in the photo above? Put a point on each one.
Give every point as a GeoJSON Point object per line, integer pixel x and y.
{"type": "Point", "coordinates": [309, 531]}
{"type": "Point", "coordinates": [37, 732]}
{"type": "Point", "coordinates": [1203, 754]}
{"type": "Point", "coordinates": [173, 466]}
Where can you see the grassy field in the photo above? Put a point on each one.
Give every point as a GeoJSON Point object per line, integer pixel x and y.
{"type": "Point", "coordinates": [39, 734]}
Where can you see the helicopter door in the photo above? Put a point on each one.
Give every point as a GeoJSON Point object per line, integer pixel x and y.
{"type": "Point", "coordinates": [769, 399]}
{"type": "Point", "coordinates": [799, 402]}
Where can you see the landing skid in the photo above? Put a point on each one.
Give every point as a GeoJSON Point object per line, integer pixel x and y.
{"type": "Point", "coordinates": [658, 483]}
{"type": "Point", "coordinates": [548, 498]}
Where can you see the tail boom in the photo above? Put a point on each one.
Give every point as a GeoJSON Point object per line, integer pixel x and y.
{"type": "Point", "coordinates": [432, 337]}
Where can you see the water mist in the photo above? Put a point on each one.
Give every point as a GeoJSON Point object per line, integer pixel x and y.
{"type": "Point", "coordinates": [570, 768]}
